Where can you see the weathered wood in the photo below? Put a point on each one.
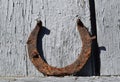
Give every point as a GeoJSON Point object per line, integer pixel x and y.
{"type": "Point", "coordinates": [108, 31]}
{"type": "Point", "coordinates": [12, 38]}
{"type": "Point", "coordinates": [17, 20]}
{"type": "Point", "coordinates": [63, 79]}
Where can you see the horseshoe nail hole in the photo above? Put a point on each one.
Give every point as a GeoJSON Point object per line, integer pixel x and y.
{"type": "Point", "coordinates": [29, 41]}
{"type": "Point", "coordinates": [35, 56]}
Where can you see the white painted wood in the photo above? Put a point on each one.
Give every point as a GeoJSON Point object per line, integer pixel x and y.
{"type": "Point", "coordinates": [108, 30]}
{"type": "Point", "coordinates": [63, 79]}
{"type": "Point", "coordinates": [12, 38]}
{"type": "Point", "coordinates": [61, 47]}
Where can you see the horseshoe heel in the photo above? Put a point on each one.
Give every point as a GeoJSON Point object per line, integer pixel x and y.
{"type": "Point", "coordinates": [45, 68]}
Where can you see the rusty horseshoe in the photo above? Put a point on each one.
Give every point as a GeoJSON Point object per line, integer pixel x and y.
{"type": "Point", "coordinates": [45, 68]}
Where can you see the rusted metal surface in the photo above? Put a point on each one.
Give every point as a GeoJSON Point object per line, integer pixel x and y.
{"type": "Point", "coordinates": [45, 68]}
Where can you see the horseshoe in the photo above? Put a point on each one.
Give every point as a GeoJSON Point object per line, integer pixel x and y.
{"type": "Point", "coordinates": [48, 70]}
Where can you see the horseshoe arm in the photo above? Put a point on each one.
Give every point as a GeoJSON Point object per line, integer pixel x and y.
{"type": "Point", "coordinates": [45, 68]}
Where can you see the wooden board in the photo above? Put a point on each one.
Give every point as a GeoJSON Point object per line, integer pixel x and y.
{"type": "Point", "coordinates": [60, 40]}
{"type": "Point", "coordinates": [63, 79]}
{"type": "Point", "coordinates": [108, 31]}
{"type": "Point", "coordinates": [12, 38]}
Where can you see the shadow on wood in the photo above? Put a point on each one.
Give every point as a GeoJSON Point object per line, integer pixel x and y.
{"type": "Point", "coordinates": [42, 32]}
{"type": "Point", "coordinates": [95, 47]}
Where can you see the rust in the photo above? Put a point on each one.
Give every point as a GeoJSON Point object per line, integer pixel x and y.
{"type": "Point", "coordinates": [45, 68]}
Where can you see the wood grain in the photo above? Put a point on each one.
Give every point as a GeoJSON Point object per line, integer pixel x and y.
{"type": "Point", "coordinates": [12, 38]}
{"type": "Point", "coordinates": [17, 20]}
{"type": "Point", "coordinates": [108, 31]}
